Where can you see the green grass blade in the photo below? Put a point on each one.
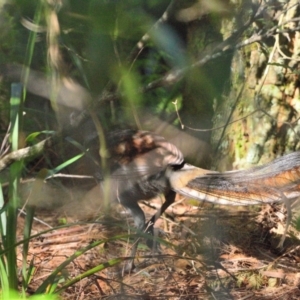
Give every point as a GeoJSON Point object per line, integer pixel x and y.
{"type": "Point", "coordinates": [26, 274]}
{"type": "Point", "coordinates": [92, 271]}
{"type": "Point", "coordinates": [65, 164]}
{"type": "Point", "coordinates": [4, 278]}
{"type": "Point", "coordinates": [31, 43]}
{"type": "Point", "coordinates": [3, 219]}
{"type": "Point", "coordinates": [15, 168]}
{"type": "Point", "coordinates": [37, 186]}
{"type": "Point", "coordinates": [52, 278]}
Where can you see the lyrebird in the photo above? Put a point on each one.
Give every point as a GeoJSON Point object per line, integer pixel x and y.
{"type": "Point", "coordinates": [143, 165]}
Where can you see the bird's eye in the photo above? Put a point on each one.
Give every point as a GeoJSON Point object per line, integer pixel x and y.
{"type": "Point", "coordinates": [178, 167]}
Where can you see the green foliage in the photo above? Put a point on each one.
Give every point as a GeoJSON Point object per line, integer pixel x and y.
{"type": "Point", "coordinates": [254, 280]}
{"type": "Point", "coordinates": [13, 295]}
{"type": "Point", "coordinates": [15, 169]}
{"type": "Point", "coordinates": [32, 137]}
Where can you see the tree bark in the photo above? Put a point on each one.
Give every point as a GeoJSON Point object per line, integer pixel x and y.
{"type": "Point", "coordinates": [263, 101]}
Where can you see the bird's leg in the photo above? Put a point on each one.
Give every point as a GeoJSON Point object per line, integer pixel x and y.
{"type": "Point", "coordinates": [169, 199]}
{"type": "Point", "coordinates": [139, 222]}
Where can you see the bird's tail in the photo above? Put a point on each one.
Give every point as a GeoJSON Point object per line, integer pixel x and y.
{"type": "Point", "coordinates": [273, 182]}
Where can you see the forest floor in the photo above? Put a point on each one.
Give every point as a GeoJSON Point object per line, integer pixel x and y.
{"type": "Point", "coordinates": [211, 252]}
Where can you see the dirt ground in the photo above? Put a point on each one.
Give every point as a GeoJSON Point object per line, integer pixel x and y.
{"type": "Point", "coordinates": [210, 252]}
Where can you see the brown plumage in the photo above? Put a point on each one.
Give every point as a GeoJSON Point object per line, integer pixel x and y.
{"type": "Point", "coordinates": [139, 164]}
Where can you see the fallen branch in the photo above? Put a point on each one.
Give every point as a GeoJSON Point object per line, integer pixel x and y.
{"type": "Point", "coordinates": [26, 153]}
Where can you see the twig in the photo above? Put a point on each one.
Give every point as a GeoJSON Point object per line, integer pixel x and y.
{"type": "Point", "coordinates": [22, 212]}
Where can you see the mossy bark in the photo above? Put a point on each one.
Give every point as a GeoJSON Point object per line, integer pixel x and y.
{"type": "Point", "coordinates": [263, 102]}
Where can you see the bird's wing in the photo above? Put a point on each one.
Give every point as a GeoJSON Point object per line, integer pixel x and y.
{"type": "Point", "coordinates": [135, 154]}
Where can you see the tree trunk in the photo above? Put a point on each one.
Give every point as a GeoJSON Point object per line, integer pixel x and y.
{"type": "Point", "coordinates": [259, 116]}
